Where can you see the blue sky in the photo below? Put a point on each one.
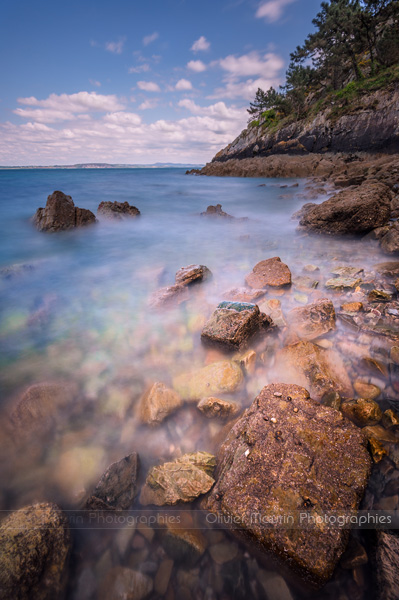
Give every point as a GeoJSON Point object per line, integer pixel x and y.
{"type": "Point", "coordinates": [137, 82]}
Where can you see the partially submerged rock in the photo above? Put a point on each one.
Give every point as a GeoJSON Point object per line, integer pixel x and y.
{"type": "Point", "coordinates": [182, 480]}
{"type": "Point", "coordinates": [117, 210]}
{"type": "Point", "coordinates": [341, 283]}
{"type": "Point", "coordinates": [221, 377]}
{"type": "Point", "coordinates": [183, 540]}
{"type": "Point", "coordinates": [117, 488]}
{"type": "Point", "coordinates": [354, 210]}
{"type": "Point", "coordinates": [34, 550]}
{"type": "Point", "coordinates": [390, 241]}
{"type": "Point", "coordinates": [362, 412]}
{"type": "Point", "coordinates": [243, 294]}
{"type": "Point", "coordinates": [271, 272]}
{"type": "Point", "coordinates": [192, 274]}
{"type": "Point", "coordinates": [311, 321]}
{"type": "Point", "coordinates": [217, 408]}
{"type": "Point", "coordinates": [217, 212]}
{"type": "Point", "coordinates": [157, 403]}
{"type": "Point", "coordinates": [61, 213]}
{"type": "Point", "coordinates": [233, 324]}
{"type": "Point", "coordinates": [288, 455]}
{"type": "Point", "coordinates": [169, 296]}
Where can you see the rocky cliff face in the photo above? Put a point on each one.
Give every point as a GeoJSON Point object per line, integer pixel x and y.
{"type": "Point", "coordinates": [370, 124]}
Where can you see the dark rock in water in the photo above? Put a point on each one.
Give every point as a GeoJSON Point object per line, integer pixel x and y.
{"type": "Point", "coordinates": [390, 241]}
{"type": "Point", "coordinates": [192, 274]}
{"type": "Point", "coordinates": [270, 272]}
{"type": "Point", "coordinates": [61, 213]}
{"type": "Point", "coordinates": [15, 270]}
{"type": "Point", "coordinates": [216, 211]}
{"type": "Point", "coordinates": [302, 212]}
{"type": "Point", "coordinates": [183, 540]}
{"type": "Point", "coordinates": [311, 321]}
{"type": "Point", "coordinates": [352, 211]}
{"type": "Point", "coordinates": [117, 210]}
{"type": "Point", "coordinates": [117, 486]}
{"type": "Point", "coordinates": [34, 550]}
{"type": "Point", "coordinates": [289, 455]}
{"type": "Point", "coordinates": [169, 296]}
{"type": "Point", "coordinates": [233, 324]}
{"type": "Point", "coordinates": [122, 583]}
{"type": "Point", "coordinates": [387, 566]}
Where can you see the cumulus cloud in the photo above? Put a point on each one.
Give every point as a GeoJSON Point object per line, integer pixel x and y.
{"type": "Point", "coordinates": [148, 86]}
{"type": "Point", "coordinates": [123, 118]}
{"type": "Point", "coordinates": [149, 103]}
{"type": "Point", "coordinates": [148, 39]}
{"type": "Point", "coordinates": [115, 47]}
{"type": "Point", "coordinates": [196, 65]}
{"type": "Point", "coordinates": [272, 10]}
{"type": "Point", "coordinates": [201, 44]}
{"type": "Point", "coordinates": [183, 85]}
{"type": "Point", "coordinates": [218, 110]}
{"type": "Point", "coordinates": [140, 68]}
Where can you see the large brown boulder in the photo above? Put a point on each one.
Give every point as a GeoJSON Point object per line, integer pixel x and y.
{"type": "Point", "coordinates": [270, 272]}
{"type": "Point", "coordinates": [157, 403]}
{"type": "Point", "coordinates": [61, 213]}
{"type": "Point", "coordinates": [390, 241]}
{"type": "Point", "coordinates": [354, 210]}
{"type": "Point", "coordinates": [289, 456]}
{"type": "Point", "coordinates": [34, 549]}
{"type": "Point", "coordinates": [117, 210]}
{"type": "Point", "coordinates": [311, 321]}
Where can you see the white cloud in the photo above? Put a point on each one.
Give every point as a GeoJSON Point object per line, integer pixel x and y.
{"type": "Point", "coordinates": [218, 110]}
{"type": "Point", "coordinates": [147, 104]}
{"type": "Point", "coordinates": [200, 44]}
{"type": "Point", "coordinates": [95, 82]}
{"type": "Point", "coordinates": [123, 118]}
{"type": "Point", "coordinates": [252, 64]}
{"type": "Point", "coordinates": [148, 86]}
{"type": "Point", "coordinates": [140, 68]}
{"type": "Point", "coordinates": [272, 10]}
{"type": "Point", "coordinates": [183, 84]}
{"type": "Point", "coordinates": [115, 47]}
{"type": "Point", "coordinates": [196, 65]}
{"type": "Point", "coordinates": [148, 39]}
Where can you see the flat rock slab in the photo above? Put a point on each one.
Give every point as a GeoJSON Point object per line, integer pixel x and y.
{"type": "Point", "coordinates": [157, 403]}
{"type": "Point", "coordinates": [34, 549]}
{"type": "Point", "coordinates": [182, 480]}
{"type": "Point", "coordinates": [117, 210]}
{"type": "Point", "coordinates": [311, 321]}
{"type": "Point", "coordinates": [233, 324]}
{"type": "Point", "coordinates": [192, 274]}
{"type": "Point", "coordinates": [288, 455]}
{"type": "Point", "coordinates": [270, 272]}
{"type": "Point", "coordinates": [221, 377]}
{"type": "Point", "coordinates": [117, 486]}
{"type": "Point", "coordinates": [61, 213]}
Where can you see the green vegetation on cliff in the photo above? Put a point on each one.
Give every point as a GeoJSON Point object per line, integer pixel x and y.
{"type": "Point", "coordinates": [353, 51]}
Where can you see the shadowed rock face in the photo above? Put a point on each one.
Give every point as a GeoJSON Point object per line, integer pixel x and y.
{"type": "Point", "coordinates": [61, 213]}
{"type": "Point", "coordinates": [34, 548]}
{"type": "Point", "coordinates": [288, 455]}
{"type": "Point", "coordinates": [354, 210]}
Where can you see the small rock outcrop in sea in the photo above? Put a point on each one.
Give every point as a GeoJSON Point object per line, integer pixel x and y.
{"type": "Point", "coordinates": [117, 210]}
{"type": "Point", "coordinates": [314, 320]}
{"type": "Point", "coordinates": [289, 455]}
{"type": "Point", "coordinates": [233, 324]}
{"type": "Point", "coordinates": [117, 488]}
{"type": "Point", "coordinates": [192, 274]}
{"type": "Point", "coordinates": [221, 377]}
{"type": "Point", "coordinates": [352, 211]}
{"type": "Point", "coordinates": [216, 211]}
{"type": "Point", "coordinates": [34, 551]}
{"type": "Point", "coordinates": [61, 213]}
{"type": "Point", "coordinates": [270, 272]}
{"type": "Point", "coordinates": [182, 480]}
{"type": "Point", "coordinates": [157, 403]}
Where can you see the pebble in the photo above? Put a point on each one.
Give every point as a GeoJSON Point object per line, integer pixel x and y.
{"type": "Point", "coordinates": [273, 420]}
{"type": "Point", "coordinates": [162, 577]}
{"type": "Point", "coordinates": [223, 552]}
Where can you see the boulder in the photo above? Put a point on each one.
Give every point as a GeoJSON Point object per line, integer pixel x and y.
{"type": "Point", "coordinates": [271, 272]}
{"type": "Point", "coordinates": [311, 321]}
{"type": "Point", "coordinates": [320, 370]}
{"type": "Point", "coordinates": [386, 569]}
{"type": "Point", "coordinates": [122, 583]}
{"type": "Point", "coordinates": [216, 407]}
{"type": "Point", "coordinates": [192, 274]}
{"type": "Point", "coordinates": [157, 403]}
{"type": "Point", "coordinates": [61, 213]}
{"type": "Point", "coordinates": [233, 324]}
{"type": "Point", "coordinates": [117, 486]}
{"type": "Point", "coordinates": [388, 269]}
{"type": "Point", "coordinates": [288, 456]}
{"type": "Point", "coordinates": [216, 212]}
{"type": "Point", "coordinates": [169, 296]}
{"type": "Point", "coordinates": [352, 211]}
{"type": "Point", "coordinates": [34, 551]}
{"type": "Point", "coordinates": [390, 241]}
{"type": "Point", "coordinates": [182, 480]}
{"type": "Point", "coordinates": [117, 210]}
{"type": "Point", "coordinates": [221, 377]}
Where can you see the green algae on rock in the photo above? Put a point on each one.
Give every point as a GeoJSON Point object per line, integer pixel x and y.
{"type": "Point", "coordinates": [220, 377]}
{"type": "Point", "coordinates": [288, 454]}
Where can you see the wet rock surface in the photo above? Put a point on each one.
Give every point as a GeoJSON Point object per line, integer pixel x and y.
{"type": "Point", "coordinates": [314, 320]}
{"type": "Point", "coordinates": [274, 460]}
{"type": "Point", "coordinates": [217, 408]}
{"type": "Point", "coordinates": [157, 403]}
{"type": "Point", "coordinates": [117, 210]}
{"type": "Point", "coordinates": [216, 378]}
{"type": "Point", "coordinates": [271, 272]}
{"type": "Point", "coordinates": [34, 552]}
{"type": "Point", "coordinates": [387, 565]}
{"type": "Point", "coordinates": [61, 213]}
{"type": "Point", "coordinates": [169, 296]}
{"type": "Point", "coordinates": [192, 274]}
{"type": "Point", "coordinates": [117, 487]}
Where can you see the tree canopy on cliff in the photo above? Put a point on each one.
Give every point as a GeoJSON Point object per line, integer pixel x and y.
{"type": "Point", "coordinates": [353, 40]}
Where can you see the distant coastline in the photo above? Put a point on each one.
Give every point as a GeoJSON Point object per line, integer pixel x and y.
{"type": "Point", "coordinates": [107, 166]}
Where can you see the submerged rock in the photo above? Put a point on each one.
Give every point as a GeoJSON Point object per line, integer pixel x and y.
{"type": "Point", "coordinates": [117, 210]}
{"type": "Point", "coordinates": [233, 324]}
{"type": "Point", "coordinates": [122, 583]}
{"type": "Point", "coordinates": [220, 377]}
{"type": "Point", "coordinates": [169, 296]}
{"type": "Point", "coordinates": [369, 391]}
{"type": "Point", "coordinates": [216, 407]}
{"type": "Point", "coordinates": [271, 272]}
{"type": "Point", "coordinates": [192, 274]}
{"type": "Point", "coordinates": [34, 550]}
{"type": "Point", "coordinates": [387, 565]}
{"type": "Point", "coordinates": [311, 321]}
{"type": "Point", "coordinates": [183, 540]}
{"type": "Point", "coordinates": [216, 212]}
{"type": "Point", "coordinates": [61, 213]}
{"type": "Point", "coordinates": [286, 455]}
{"type": "Point", "coordinates": [117, 486]}
{"type": "Point", "coordinates": [362, 412]}
{"type": "Point", "coordinates": [157, 403]}
{"type": "Point", "coordinates": [354, 210]}
{"type": "Point", "coordinates": [182, 480]}
{"type": "Point", "coordinates": [243, 294]}
{"type": "Point", "coordinates": [340, 283]}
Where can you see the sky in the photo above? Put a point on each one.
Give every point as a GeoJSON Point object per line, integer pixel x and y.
{"type": "Point", "coordinates": [137, 81]}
